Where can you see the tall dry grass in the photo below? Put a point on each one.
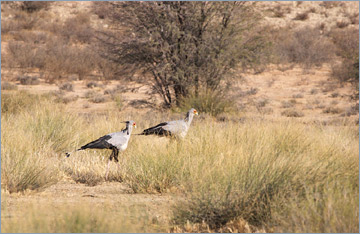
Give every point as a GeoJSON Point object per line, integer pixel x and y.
{"type": "Point", "coordinates": [87, 217]}
{"type": "Point", "coordinates": [281, 176]}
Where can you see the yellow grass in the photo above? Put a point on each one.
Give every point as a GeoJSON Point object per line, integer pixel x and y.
{"type": "Point", "coordinates": [281, 176]}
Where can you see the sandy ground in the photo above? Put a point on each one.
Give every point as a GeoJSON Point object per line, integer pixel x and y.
{"type": "Point", "coordinates": [115, 197]}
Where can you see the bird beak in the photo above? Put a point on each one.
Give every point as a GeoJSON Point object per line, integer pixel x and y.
{"type": "Point", "coordinates": [195, 112]}
{"type": "Point", "coordinates": [134, 125]}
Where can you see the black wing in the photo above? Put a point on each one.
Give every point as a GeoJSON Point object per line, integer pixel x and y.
{"type": "Point", "coordinates": [100, 143]}
{"type": "Point", "coordinates": [157, 130]}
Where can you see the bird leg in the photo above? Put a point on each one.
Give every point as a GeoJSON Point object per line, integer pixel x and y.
{"type": "Point", "coordinates": [108, 166]}
{"type": "Point", "coordinates": [116, 154]}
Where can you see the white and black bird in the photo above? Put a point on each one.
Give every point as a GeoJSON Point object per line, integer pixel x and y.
{"type": "Point", "coordinates": [117, 142]}
{"type": "Point", "coordinates": [176, 128]}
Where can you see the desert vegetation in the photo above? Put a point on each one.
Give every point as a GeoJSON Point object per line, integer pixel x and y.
{"type": "Point", "coordinates": [274, 148]}
{"type": "Point", "coordinates": [226, 172]}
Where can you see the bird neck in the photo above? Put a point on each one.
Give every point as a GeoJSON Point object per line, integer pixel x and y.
{"type": "Point", "coordinates": [189, 117]}
{"type": "Point", "coordinates": [128, 130]}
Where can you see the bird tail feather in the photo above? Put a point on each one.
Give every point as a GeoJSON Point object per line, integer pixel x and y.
{"type": "Point", "coordinates": [69, 153]}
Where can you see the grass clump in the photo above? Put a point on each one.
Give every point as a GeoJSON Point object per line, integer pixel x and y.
{"type": "Point", "coordinates": [39, 218]}
{"type": "Point", "coordinates": [19, 101]}
{"type": "Point", "coordinates": [210, 102]}
{"type": "Point", "coordinates": [8, 86]}
{"type": "Point", "coordinates": [263, 169]}
{"type": "Point", "coordinates": [34, 130]}
{"type": "Point", "coordinates": [292, 113]}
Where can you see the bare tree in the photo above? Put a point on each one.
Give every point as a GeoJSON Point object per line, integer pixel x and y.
{"type": "Point", "coordinates": [183, 46]}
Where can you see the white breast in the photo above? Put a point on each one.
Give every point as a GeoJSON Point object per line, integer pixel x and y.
{"type": "Point", "coordinates": [123, 147]}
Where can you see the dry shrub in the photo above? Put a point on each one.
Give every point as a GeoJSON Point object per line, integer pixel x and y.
{"type": "Point", "coordinates": [8, 86]}
{"type": "Point", "coordinates": [234, 226]}
{"type": "Point", "coordinates": [332, 110]}
{"type": "Point", "coordinates": [15, 102]}
{"type": "Point", "coordinates": [63, 60]}
{"type": "Point", "coordinates": [32, 6]}
{"type": "Point", "coordinates": [278, 12]}
{"type": "Point", "coordinates": [330, 4]}
{"type": "Point", "coordinates": [109, 69]}
{"type": "Point", "coordinates": [98, 99]}
{"type": "Point", "coordinates": [262, 102]}
{"type": "Point", "coordinates": [20, 21]}
{"type": "Point", "coordinates": [92, 84]}
{"type": "Point", "coordinates": [102, 9]}
{"type": "Point", "coordinates": [305, 46]}
{"type": "Point", "coordinates": [270, 165]}
{"type": "Point", "coordinates": [292, 113]}
{"type": "Point", "coordinates": [287, 104]}
{"type": "Point", "coordinates": [210, 102]}
{"type": "Point", "coordinates": [28, 80]}
{"type": "Point", "coordinates": [352, 110]}
{"type": "Point", "coordinates": [314, 91]}
{"type": "Point", "coordinates": [86, 217]}
{"type": "Point", "coordinates": [302, 16]}
{"type": "Point", "coordinates": [67, 87]}
{"type": "Point", "coordinates": [24, 55]}
{"type": "Point", "coordinates": [85, 177]}
{"type": "Point", "coordinates": [90, 94]}
{"type": "Point", "coordinates": [34, 37]}
{"type": "Point", "coordinates": [299, 95]}
{"type": "Point", "coordinates": [67, 99]}
{"type": "Point", "coordinates": [347, 43]}
{"type": "Point", "coordinates": [78, 28]}
{"type": "Point", "coordinates": [334, 95]}
{"type": "Point", "coordinates": [342, 24]}
{"type": "Point", "coordinates": [354, 18]}
{"type": "Point", "coordinates": [119, 101]}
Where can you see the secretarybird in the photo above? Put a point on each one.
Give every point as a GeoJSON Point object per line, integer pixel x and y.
{"type": "Point", "coordinates": [176, 128]}
{"type": "Point", "coordinates": [117, 141]}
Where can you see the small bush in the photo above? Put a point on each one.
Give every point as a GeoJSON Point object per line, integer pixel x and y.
{"type": "Point", "coordinates": [305, 46]}
{"type": "Point", "coordinates": [352, 110]}
{"type": "Point", "coordinates": [334, 95]}
{"type": "Point", "coordinates": [8, 86]}
{"type": "Point", "coordinates": [28, 80]}
{"type": "Point", "coordinates": [252, 91]}
{"type": "Point", "coordinates": [299, 95]}
{"type": "Point", "coordinates": [302, 16]}
{"type": "Point", "coordinates": [67, 99]}
{"type": "Point", "coordinates": [211, 102]}
{"type": "Point", "coordinates": [15, 102]}
{"type": "Point", "coordinates": [354, 18]}
{"type": "Point", "coordinates": [314, 91]}
{"type": "Point", "coordinates": [92, 84]}
{"type": "Point", "coordinates": [286, 104]}
{"type": "Point", "coordinates": [292, 113]}
{"type": "Point", "coordinates": [98, 98]}
{"type": "Point", "coordinates": [278, 12]}
{"type": "Point", "coordinates": [332, 110]}
{"type": "Point", "coordinates": [67, 87]}
{"type": "Point", "coordinates": [85, 177]}
{"type": "Point", "coordinates": [78, 28]}
{"type": "Point", "coordinates": [347, 42]}
{"type": "Point", "coordinates": [342, 24]}
{"type": "Point", "coordinates": [262, 102]}
{"type": "Point", "coordinates": [119, 101]}
{"type": "Point", "coordinates": [32, 6]}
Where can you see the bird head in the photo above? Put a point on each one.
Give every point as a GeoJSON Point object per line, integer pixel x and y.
{"type": "Point", "coordinates": [130, 123]}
